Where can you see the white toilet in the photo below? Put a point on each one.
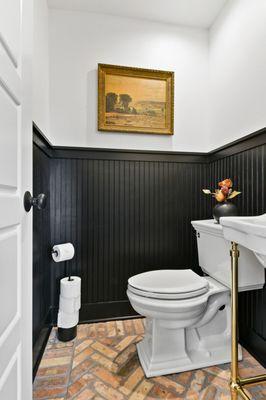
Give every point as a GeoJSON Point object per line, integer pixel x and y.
{"type": "Point", "coordinates": [188, 316]}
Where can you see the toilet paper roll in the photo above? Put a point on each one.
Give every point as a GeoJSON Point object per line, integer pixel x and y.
{"type": "Point", "coordinates": [69, 305]}
{"type": "Point", "coordinates": [66, 321]}
{"type": "Point", "coordinates": [63, 252]}
{"type": "Point", "coordinates": [70, 289]}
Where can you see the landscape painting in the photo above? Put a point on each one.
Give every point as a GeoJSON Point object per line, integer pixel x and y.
{"type": "Point", "coordinates": [135, 100]}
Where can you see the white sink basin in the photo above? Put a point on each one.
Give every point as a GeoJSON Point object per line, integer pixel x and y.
{"type": "Point", "coordinates": [249, 232]}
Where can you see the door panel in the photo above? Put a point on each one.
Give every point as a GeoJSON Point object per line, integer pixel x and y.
{"type": "Point", "coordinates": [9, 77]}
{"type": "Point", "coordinates": [10, 384]}
{"type": "Point", "coordinates": [10, 34]}
{"type": "Point", "coordinates": [15, 179]}
{"type": "Point", "coordinates": [9, 259]}
{"type": "Point", "coordinates": [10, 205]}
{"type": "Point", "coordinates": [8, 141]}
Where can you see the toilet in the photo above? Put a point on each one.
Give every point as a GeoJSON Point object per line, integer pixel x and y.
{"type": "Point", "coordinates": [187, 322]}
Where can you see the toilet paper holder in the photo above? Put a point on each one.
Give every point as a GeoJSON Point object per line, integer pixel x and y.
{"type": "Point", "coordinates": [66, 265]}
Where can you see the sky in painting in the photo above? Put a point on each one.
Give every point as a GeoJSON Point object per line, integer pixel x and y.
{"type": "Point", "coordinates": [140, 89]}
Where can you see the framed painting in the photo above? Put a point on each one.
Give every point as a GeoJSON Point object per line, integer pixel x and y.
{"type": "Point", "coordinates": [135, 100]}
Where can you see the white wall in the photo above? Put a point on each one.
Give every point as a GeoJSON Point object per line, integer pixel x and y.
{"type": "Point", "coordinates": [41, 97]}
{"type": "Point", "coordinates": [238, 71]}
{"type": "Point", "coordinates": [78, 41]}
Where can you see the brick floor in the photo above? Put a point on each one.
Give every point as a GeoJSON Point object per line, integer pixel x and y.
{"type": "Point", "coordinates": [102, 363]}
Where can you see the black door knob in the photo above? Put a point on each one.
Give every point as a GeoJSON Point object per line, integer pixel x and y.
{"type": "Point", "coordinates": [39, 202]}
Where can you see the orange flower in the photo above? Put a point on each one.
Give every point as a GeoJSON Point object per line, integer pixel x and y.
{"type": "Point", "coordinates": [225, 190]}
{"type": "Point", "coordinates": [227, 182]}
{"type": "Point", "coordinates": [219, 196]}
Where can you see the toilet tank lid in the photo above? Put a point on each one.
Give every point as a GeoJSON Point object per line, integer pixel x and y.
{"type": "Point", "coordinates": [169, 281]}
{"type": "Point", "coordinates": [208, 226]}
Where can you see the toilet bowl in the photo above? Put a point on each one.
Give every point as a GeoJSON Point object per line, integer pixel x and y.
{"type": "Point", "coordinates": [187, 320]}
{"type": "Point", "coordinates": [187, 315]}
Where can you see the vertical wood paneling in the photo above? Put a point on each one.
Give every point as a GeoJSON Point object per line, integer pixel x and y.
{"type": "Point", "coordinates": [124, 217]}
{"type": "Point", "coordinates": [41, 255]}
{"type": "Point", "coordinates": [247, 169]}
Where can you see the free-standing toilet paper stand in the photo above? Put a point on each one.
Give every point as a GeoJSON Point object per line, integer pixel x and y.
{"type": "Point", "coordinates": [68, 269]}
{"type": "Point", "coordinates": [65, 332]}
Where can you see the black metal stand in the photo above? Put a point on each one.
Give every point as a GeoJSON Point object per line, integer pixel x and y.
{"type": "Point", "coordinates": [67, 334]}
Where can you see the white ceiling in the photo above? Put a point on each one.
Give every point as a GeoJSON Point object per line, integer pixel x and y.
{"type": "Point", "coordinates": [194, 13]}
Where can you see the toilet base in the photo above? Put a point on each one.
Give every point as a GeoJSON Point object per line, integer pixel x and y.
{"type": "Point", "coordinates": [195, 361]}
{"type": "Point", "coordinates": [167, 348]}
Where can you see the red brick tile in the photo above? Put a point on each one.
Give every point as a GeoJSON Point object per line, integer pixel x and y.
{"type": "Point", "coordinates": [80, 369]}
{"type": "Point", "coordinates": [61, 352]}
{"type": "Point", "coordinates": [44, 393]}
{"type": "Point", "coordinates": [169, 384]}
{"type": "Point", "coordinates": [83, 345]}
{"type": "Point", "coordinates": [138, 324]}
{"type": "Point", "coordinates": [82, 356]}
{"type": "Point", "coordinates": [86, 394]}
{"type": "Point", "coordinates": [120, 328]}
{"type": "Point", "coordinates": [106, 376]}
{"type": "Point", "coordinates": [106, 392]}
{"type": "Point", "coordinates": [79, 385]}
{"type": "Point", "coordinates": [106, 351]}
{"type": "Point", "coordinates": [50, 371]}
{"type": "Point", "coordinates": [101, 329]}
{"type": "Point", "coordinates": [111, 328]}
{"type": "Point", "coordinates": [51, 381]}
{"type": "Point", "coordinates": [161, 393]}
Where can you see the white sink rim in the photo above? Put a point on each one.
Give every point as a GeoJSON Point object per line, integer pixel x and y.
{"type": "Point", "coordinates": [249, 232]}
{"type": "Point", "coordinates": [249, 225]}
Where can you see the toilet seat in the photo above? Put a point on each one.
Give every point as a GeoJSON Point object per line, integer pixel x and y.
{"type": "Point", "coordinates": [168, 284]}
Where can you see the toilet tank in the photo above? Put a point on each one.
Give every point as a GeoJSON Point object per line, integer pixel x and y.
{"type": "Point", "coordinates": [215, 261]}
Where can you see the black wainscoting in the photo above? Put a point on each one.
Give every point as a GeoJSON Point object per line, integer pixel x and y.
{"type": "Point", "coordinates": [124, 217]}
{"type": "Point", "coordinates": [248, 170]}
{"type": "Point", "coordinates": [41, 260]}
{"type": "Point", "coordinates": [130, 211]}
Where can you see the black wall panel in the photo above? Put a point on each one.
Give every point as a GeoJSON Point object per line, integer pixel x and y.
{"type": "Point", "coordinates": [124, 217]}
{"type": "Point", "coordinates": [248, 170]}
{"type": "Point", "coordinates": [41, 254]}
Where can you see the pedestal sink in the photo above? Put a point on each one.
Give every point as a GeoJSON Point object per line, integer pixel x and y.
{"type": "Point", "coordinates": [250, 232]}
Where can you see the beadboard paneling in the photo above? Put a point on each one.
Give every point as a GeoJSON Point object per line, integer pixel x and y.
{"type": "Point", "coordinates": [41, 254]}
{"type": "Point", "coordinates": [124, 217]}
{"type": "Point", "coordinates": [248, 170]}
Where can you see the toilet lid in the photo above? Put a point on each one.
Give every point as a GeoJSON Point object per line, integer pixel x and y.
{"type": "Point", "coordinates": [168, 284]}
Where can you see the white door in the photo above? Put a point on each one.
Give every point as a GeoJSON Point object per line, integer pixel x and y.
{"type": "Point", "coordinates": [15, 179]}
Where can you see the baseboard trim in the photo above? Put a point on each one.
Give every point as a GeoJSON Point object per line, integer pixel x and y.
{"type": "Point", "coordinates": [39, 348]}
{"type": "Point", "coordinates": [41, 341]}
{"type": "Point", "coordinates": [96, 312]}
{"type": "Point", "coordinates": [101, 312]}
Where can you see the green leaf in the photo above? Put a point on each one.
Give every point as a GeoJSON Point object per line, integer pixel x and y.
{"type": "Point", "coordinates": [233, 194]}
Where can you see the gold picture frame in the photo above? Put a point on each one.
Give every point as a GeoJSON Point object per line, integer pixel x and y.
{"type": "Point", "coordinates": [135, 100]}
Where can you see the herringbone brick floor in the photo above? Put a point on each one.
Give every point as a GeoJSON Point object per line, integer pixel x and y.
{"type": "Point", "coordinates": [101, 363]}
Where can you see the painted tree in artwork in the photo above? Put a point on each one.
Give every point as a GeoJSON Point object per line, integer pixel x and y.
{"type": "Point", "coordinates": [111, 99]}
{"type": "Point", "coordinates": [125, 99]}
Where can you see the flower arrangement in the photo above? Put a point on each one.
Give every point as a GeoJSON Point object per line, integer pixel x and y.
{"type": "Point", "coordinates": [225, 191]}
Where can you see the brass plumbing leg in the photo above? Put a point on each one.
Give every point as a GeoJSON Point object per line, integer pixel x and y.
{"type": "Point", "coordinates": [236, 384]}
{"type": "Point", "coordinates": [234, 319]}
